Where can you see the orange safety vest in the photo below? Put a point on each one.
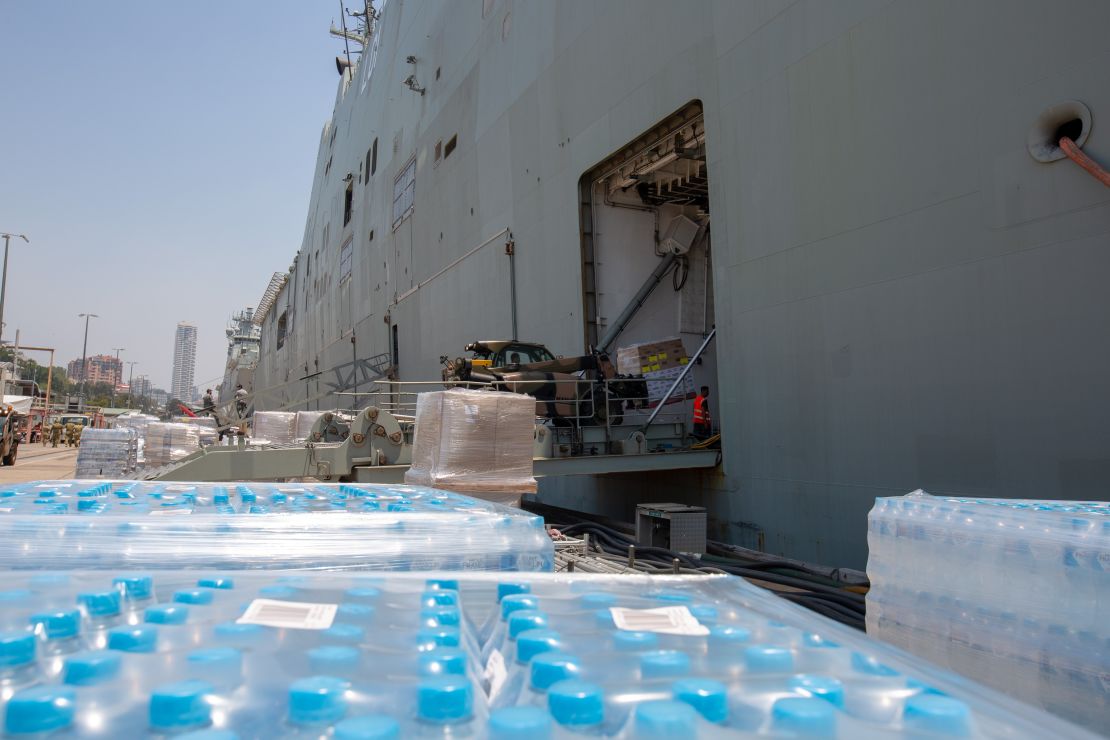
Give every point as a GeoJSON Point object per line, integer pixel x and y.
{"type": "Point", "coordinates": [701, 411]}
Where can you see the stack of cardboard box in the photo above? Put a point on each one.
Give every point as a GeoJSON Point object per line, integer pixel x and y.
{"type": "Point", "coordinates": [660, 362]}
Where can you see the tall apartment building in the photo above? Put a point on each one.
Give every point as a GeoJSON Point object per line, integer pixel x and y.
{"type": "Point", "coordinates": [99, 369]}
{"type": "Point", "coordinates": [184, 361]}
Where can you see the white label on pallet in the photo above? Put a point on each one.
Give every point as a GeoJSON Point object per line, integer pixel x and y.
{"type": "Point", "coordinates": [495, 673]}
{"type": "Point", "coordinates": [289, 614]}
{"type": "Point", "coordinates": [667, 620]}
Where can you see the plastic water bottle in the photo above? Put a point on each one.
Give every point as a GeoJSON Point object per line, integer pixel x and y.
{"type": "Point", "coordinates": [368, 727]}
{"type": "Point", "coordinates": [520, 723]}
{"type": "Point", "coordinates": [544, 671]}
{"type": "Point", "coordinates": [709, 698]}
{"type": "Point", "coordinates": [665, 720]}
{"type": "Point", "coordinates": [17, 659]}
{"type": "Point", "coordinates": [445, 707]}
{"type": "Point", "coordinates": [172, 621]}
{"type": "Point", "coordinates": [40, 710]}
{"type": "Point", "coordinates": [102, 612]}
{"type": "Point", "coordinates": [58, 631]}
{"type": "Point", "coordinates": [937, 715]}
{"type": "Point", "coordinates": [315, 704]}
{"type": "Point", "coordinates": [803, 716]}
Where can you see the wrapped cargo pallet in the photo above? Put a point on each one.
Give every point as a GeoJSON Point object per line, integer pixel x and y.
{"type": "Point", "coordinates": [485, 656]}
{"type": "Point", "coordinates": [474, 441]}
{"type": "Point", "coordinates": [167, 442]}
{"type": "Point", "coordinates": [302, 425]}
{"type": "Point", "coordinates": [149, 525]}
{"type": "Point", "coordinates": [660, 362]}
{"type": "Point", "coordinates": [275, 427]}
{"type": "Point", "coordinates": [138, 422]}
{"type": "Point", "coordinates": [1013, 593]}
{"type": "Point", "coordinates": [107, 453]}
{"type": "Point", "coordinates": [208, 429]}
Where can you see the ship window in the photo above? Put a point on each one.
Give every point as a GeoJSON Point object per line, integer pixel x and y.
{"type": "Point", "coordinates": [346, 253]}
{"type": "Point", "coordinates": [327, 167]}
{"type": "Point", "coordinates": [374, 157]}
{"type": "Point", "coordinates": [438, 151]}
{"type": "Point", "coordinates": [404, 192]}
{"type": "Point", "coordinates": [451, 144]}
{"type": "Point", "coordinates": [348, 200]}
{"type": "Point", "coordinates": [282, 328]}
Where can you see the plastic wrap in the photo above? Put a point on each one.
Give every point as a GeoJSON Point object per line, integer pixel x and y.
{"type": "Point", "coordinates": [208, 431]}
{"type": "Point", "coordinates": [148, 525]}
{"type": "Point", "coordinates": [275, 427]}
{"type": "Point", "coordinates": [1013, 593]}
{"type": "Point", "coordinates": [166, 443]}
{"type": "Point", "coordinates": [302, 425]}
{"type": "Point", "coordinates": [138, 422]}
{"type": "Point", "coordinates": [107, 453]}
{"type": "Point", "coordinates": [474, 441]}
{"type": "Point", "coordinates": [265, 655]}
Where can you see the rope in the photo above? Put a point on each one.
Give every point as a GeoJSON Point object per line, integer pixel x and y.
{"type": "Point", "coordinates": [1076, 155]}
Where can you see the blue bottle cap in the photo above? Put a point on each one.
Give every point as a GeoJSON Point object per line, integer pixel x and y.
{"type": "Point", "coordinates": [723, 636]}
{"type": "Point", "coordinates": [208, 735]}
{"type": "Point", "coordinates": [166, 614]}
{"type": "Point", "coordinates": [934, 713]}
{"type": "Point", "coordinates": [57, 625]}
{"type": "Point", "coordinates": [318, 699]}
{"type": "Point", "coordinates": [442, 662]}
{"type": "Point", "coordinates": [342, 632]}
{"type": "Point", "coordinates": [822, 687]}
{"type": "Point", "coordinates": [100, 603]}
{"type": "Point", "coordinates": [194, 596]}
{"type": "Point", "coordinates": [355, 612]}
{"type": "Point", "coordinates": [442, 584]}
{"type": "Point", "coordinates": [709, 698]}
{"type": "Point", "coordinates": [507, 589]}
{"type": "Point", "coordinates": [40, 709]}
{"type": "Point", "coordinates": [675, 597]}
{"type": "Point", "coordinates": [248, 497]}
{"type": "Point", "coordinates": [433, 637]}
{"type": "Point", "coordinates": [871, 666]}
{"type": "Point", "coordinates": [223, 663]}
{"type": "Point", "coordinates": [526, 619]}
{"type": "Point", "coordinates": [520, 723]}
{"type": "Point", "coordinates": [517, 602]}
{"type": "Point", "coordinates": [362, 594]}
{"type": "Point", "coordinates": [439, 598]}
{"type": "Point", "coordinates": [531, 643]}
{"type": "Point", "coordinates": [90, 668]}
{"type": "Point", "coordinates": [704, 613]}
{"type": "Point", "coordinates": [550, 668]}
{"type": "Point", "coordinates": [333, 659]}
{"type": "Point", "coordinates": [238, 634]}
{"type": "Point", "coordinates": [804, 716]}
{"type": "Point", "coordinates": [369, 727]}
{"type": "Point", "coordinates": [16, 649]}
{"type": "Point", "coordinates": [441, 616]}
{"type": "Point", "coordinates": [626, 640]}
{"type": "Point", "coordinates": [141, 639]}
{"type": "Point", "coordinates": [444, 699]}
{"type": "Point", "coordinates": [913, 683]}
{"type": "Point", "coordinates": [666, 720]}
{"type": "Point", "coordinates": [603, 619]}
{"type": "Point", "coordinates": [597, 600]}
{"type": "Point", "coordinates": [277, 591]}
{"type": "Point", "coordinates": [135, 587]}
{"type": "Point", "coordinates": [768, 659]}
{"type": "Point", "coordinates": [180, 705]}
{"type": "Point", "coordinates": [664, 664]}
{"type": "Point", "coordinates": [216, 582]}
{"type": "Point", "coordinates": [576, 703]}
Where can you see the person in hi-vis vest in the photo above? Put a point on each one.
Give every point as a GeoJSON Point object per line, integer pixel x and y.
{"type": "Point", "coordinates": [703, 424]}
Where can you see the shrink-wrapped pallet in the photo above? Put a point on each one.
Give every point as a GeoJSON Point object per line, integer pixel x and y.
{"type": "Point", "coordinates": [326, 526]}
{"type": "Point", "coordinates": [208, 429]}
{"type": "Point", "coordinates": [1013, 593]}
{"type": "Point", "coordinates": [107, 453]}
{"type": "Point", "coordinates": [302, 425]}
{"type": "Point", "coordinates": [474, 441]}
{"type": "Point", "coordinates": [167, 442]}
{"type": "Point", "coordinates": [487, 656]}
{"type": "Point", "coordinates": [276, 427]}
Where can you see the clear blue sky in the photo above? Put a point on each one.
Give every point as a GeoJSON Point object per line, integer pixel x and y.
{"type": "Point", "coordinates": [159, 155]}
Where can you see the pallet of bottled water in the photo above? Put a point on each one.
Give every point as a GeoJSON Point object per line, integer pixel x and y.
{"type": "Point", "coordinates": [336, 526]}
{"type": "Point", "coordinates": [107, 453]}
{"type": "Point", "coordinates": [522, 657]}
{"type": "Point", "coordinates": [1013, 593]}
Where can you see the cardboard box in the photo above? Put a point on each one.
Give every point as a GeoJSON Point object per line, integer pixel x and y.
{"type": "Point", "coordinates": [650, 357]}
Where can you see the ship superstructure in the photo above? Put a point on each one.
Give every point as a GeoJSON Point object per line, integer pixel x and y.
{"type": "Point", "coordinates": [905, 294]}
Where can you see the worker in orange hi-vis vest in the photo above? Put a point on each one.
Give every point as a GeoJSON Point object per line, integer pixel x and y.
{"type": "Point", "coordinates": [703, 423]}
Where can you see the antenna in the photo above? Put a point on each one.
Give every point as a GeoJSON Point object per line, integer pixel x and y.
{"type": "Point", "coordinates": [346, 43]}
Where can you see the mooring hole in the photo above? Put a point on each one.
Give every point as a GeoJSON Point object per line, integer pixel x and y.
{"type": "Point", "coordinates": [1072, 129]}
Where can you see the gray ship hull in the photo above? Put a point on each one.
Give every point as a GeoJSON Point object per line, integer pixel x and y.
{"type": "Point", "coordinates": [904, 297]}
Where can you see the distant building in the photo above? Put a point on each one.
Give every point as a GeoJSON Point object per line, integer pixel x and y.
{"type": "Point", "coordinates": [141, 386]}
{"type": "Point", "coordinates": [184, 361]}
{"type": "Point", "coordinates": [159, 396]}
{"type": "Point", "coordinates": [100, 369]}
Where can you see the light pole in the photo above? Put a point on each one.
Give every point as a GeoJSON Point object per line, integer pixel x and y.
{"type": "Point", "coordinates": [116, 381]}
{"type": "Point", "coordinates": [130, 387]}
{"type": "Point", "coordinates": [84, 352]}
{"type": "Point", "coordinates": [4, 281]}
